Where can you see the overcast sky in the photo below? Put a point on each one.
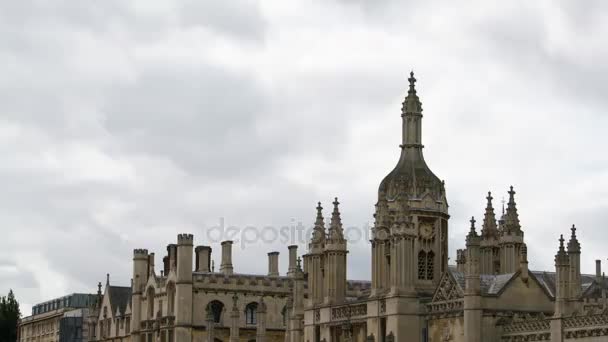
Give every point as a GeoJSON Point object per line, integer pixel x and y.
{"type": "Point", "coordinates": [123, 123]}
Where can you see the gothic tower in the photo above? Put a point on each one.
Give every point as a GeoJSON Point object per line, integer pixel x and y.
{"type": "Point", "coordinates": [409, 244]}
{"type": "Point", "coordinates": [490, 261]}
{"type": "Point", "coordinates": [314, 261]}
{"type": "Point", "coordinates": [335, 259]}
{"type": "Point", "coordinates": [511, 239]}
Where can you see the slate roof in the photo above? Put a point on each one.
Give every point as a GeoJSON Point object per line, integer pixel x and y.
{"type": "Point", "coordinates": [491, 285]}
{"type": "Point", "coordinates": [120, 297]}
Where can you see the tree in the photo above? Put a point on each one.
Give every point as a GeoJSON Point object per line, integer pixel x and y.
{"type": "Point", "coordinates": [9, 317]}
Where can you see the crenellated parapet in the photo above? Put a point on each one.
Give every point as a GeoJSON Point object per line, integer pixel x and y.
{"type": "Point", "coordinates": [185, 239]}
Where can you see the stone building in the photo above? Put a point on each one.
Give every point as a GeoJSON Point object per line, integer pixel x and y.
{"type": "Point", "coordinates": [489, 295]}
{"type": "Point", "coordinates": [60, 319]}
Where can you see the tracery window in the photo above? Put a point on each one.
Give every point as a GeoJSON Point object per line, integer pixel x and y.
{"type": "Point", "coordinates": [422, 265]}
{"type": "Point", "coordinates": [426, 265]}
{"type": "Point", "coordinates": [430, 265]}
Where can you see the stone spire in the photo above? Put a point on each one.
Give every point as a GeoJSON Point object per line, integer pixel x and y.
{"type": "Point", "coordinates": [561, 258]}
{"type": "Point", "coordinates": [489, 228]}
{"type": "Point", "coordinates": [336, 234]}
{"type": "Point", "coordinates": [472, 232]}
{"type": "Point", "coordinates": [511, 217]}
{"type": "Point", "coordinates": [573, 245]}
{"type": "Point", "coordinates": [318, 233]}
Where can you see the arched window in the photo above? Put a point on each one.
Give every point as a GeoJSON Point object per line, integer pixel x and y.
{"type": "Point", "coordinates": [422, 265]}
{"type": "Point", "coordinates": [216, 308]}
{"type": "Point", "coordinates": [251, 311]}
{"type": "Point", "coordinates": [150, 302]}
{"type": "Point", "coordinates": [171, 299]}
{"type": "Point", "coordinates": [430, 263]}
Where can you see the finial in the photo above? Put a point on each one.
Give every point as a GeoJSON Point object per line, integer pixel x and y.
{"type": "Point", "coordinates": [99, 288]}
{"type": "Point", "coordinates": [212, 266]}
{"type": "Point", "coordinates": [472, 223]}
{"type": "Point", "coordinates": [412, 81]}
{"type": "Point", "coordinates": [336, 202]}
{"type": "Point", "coordinates": [561, 241]}
{"type": "Point", "coordinates": [299, 263]}
{"type": "Point", "coordinates": [573, 229]}
{"type": "Point", "coordinates": [503, 205]}
{"type": "Point", "coordinates": [107, 278]}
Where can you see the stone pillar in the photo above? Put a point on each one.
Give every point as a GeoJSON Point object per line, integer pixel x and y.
{"type": "Point", "coordinates": [234, 320]}
{"type": "Point", "coordinates": [472, 293]}
{"type": "Point", "coordinates": [293, 256]}
{"type": "Point", "coordinates": [297, 330]}
{"type": "Point", "coordinates": [183, 289]}
{"type": "Point", "coordinates": [226, 266]}
{"type": "Point", "coordinates": [210, 325]}
{"type": "Point", "coordinates": [261, 321]}
{"type": "Point", "coordinates": [203, 258]}
{"type": "Point", "coordinates": [140, 265]}
{"type": "Point", "coordinates": [273, 264]}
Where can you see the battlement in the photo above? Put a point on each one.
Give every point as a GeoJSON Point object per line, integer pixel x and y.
{"type": "Point", "coordinates": [185, 239]}
{"type": "Point", "coordinates": [140, 253]}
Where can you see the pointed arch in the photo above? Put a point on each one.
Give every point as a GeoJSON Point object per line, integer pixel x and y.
{"type": "Point", "coordinates": [171, 298]}
{"type": "Point", "coordinates": [216, 308]}
{"type": "Point", "coordinates": [251, 313]}
{"type": "Point", "coordinates": [150, 293]}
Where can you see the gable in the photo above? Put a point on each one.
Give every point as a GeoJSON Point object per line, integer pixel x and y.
{"type": "Point", "coordinates": [520, 295]}
{"type": "Point", "coordinates": [448, 289]}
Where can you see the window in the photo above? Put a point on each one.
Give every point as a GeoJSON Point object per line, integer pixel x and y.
{"type": "Point", "coordinates": [117, 326]}
{"type": "Point", "coordinates": [216, 307]}
{"type": "Point", "coordinates": [170, 299]}
{"type": "Point", "coordinates": [150, 302]}
{"type": "Point", "coordinates": [101, 330]}
{"type": "Point", "coordinates": [284, 314]}
{"type": "Point", "coordinates": [422, 265]}
{"type": "Point", "coordinates": [128, 325]}
{"type": "Point", "coordinates": [430, 263]}
{"type": "Point", "coordinates": [251, 311]}
{"type": "Point", "coordinates": [94, 329]}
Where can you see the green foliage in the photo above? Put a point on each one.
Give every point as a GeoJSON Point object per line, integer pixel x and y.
{"type": "Point", "coordinates": [9, 317]}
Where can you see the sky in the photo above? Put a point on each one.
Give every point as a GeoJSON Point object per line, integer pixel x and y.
{"type": "Point", "coordinates": [124, 123]}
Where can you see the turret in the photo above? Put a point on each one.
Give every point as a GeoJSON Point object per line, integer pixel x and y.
{"type": "Point", "coordinates": [140, 278]}
{"type": "Point", "coordinates": [314, 260]}
{"type": "Point", "coordinates": [472, 293]}
{"type": "Point", "coordinates": [183, 288]}
{"type": "Point", "coordinates": [562, 275]}
{"type": "Point", "coordinates": [511, 239]}
{"type": "Point", "coordinates": [335, 259]}
{"type": "Point", "coordinates": [489, 240]}
{"type": "Point", "coordinates": [574, 256]}
{"type": "Point", "coordinates": [460, 260]}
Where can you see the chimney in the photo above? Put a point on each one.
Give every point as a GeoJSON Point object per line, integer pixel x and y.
{"type": "Point", "coordinates": [273, 264]}
{"type": "Point", "coordinates": [172, 252]}
{"type": "Point", "coordinates": [203, 258]}
{"type": "Point", "coordinates": [598, 271]}
{"type": "Point", "coordinates": [226, 266]}
{"type": "Point", "coordinates": [151, 263]}
{"type": "Point", "coordinates": [293, 256]}
{"type": "Point", "coordinates": [166, 266]}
